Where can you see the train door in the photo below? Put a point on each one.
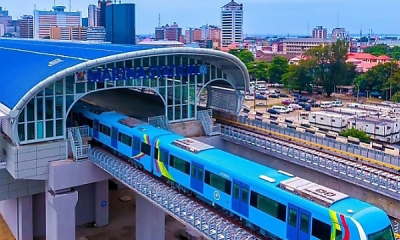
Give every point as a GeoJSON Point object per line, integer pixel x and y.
{"type": "Point", "coordinates": [135, 146]}
{"type": "Point", "coordinates": [197, 177]}
{"type": "Point", "coordinates": [240, 198]}
{"type": "Point", "coordinates": [298, 227]}
{"type": "Point", "coordinates": [96, 126]}
{"type": "Point", "coordinates": [114, 137]}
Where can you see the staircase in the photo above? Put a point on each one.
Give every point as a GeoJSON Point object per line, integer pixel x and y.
{"type": "Point", "coordinates": [80, 150]}
{"type": "Point", "coordinates": [161, 122]}
{"type": "Point", "coordinates": [210, 129]}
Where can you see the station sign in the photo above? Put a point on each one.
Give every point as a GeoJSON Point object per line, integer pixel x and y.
{"type": "Point", "coordinates": [123, 74]}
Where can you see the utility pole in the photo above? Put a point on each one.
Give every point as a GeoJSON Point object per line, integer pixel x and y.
{"type": "Point", "coordinates": [390, 81]}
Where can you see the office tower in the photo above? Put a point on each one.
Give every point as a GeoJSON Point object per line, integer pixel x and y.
{"type": "Point", "coordinates": [232, 23]}
{"type": "Point", "coordinates": [85, 22]}
{"type": "Point", "coordinates": [167, 32]}
{"type": "Point", "coordinates": [26, 26]}
{"type": "Point", "coordinates": [92, 16]}
{"type": "Point", "coordinates": [44, 20]}
{"type": "Point", "coordinates": [120, 25]}
{"type": "Point", "coordinates": [101, 12]}
{"type": "Point", "coordinates": [3, 13]}
{"type": "Point", "coordinates": [319, 32]}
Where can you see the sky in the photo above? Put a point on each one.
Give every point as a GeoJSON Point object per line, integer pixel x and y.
{"type": "Point", "coordinates": [282, 17]}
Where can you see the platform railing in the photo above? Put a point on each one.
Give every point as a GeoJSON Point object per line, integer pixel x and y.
{"type": "Point", "coordinates": [160, 121]}
{"type": "Point", "coordinates": [211, 129]}
{"type": "Point", "coordinates": [179, 206]}
{"type": "Point", "coordinates": [373, 179]}
{"type": "Point", "coordinates": [79, 150]}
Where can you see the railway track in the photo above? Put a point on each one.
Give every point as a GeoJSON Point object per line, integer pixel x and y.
{"type": "Point", "coordinates": [365, 170]}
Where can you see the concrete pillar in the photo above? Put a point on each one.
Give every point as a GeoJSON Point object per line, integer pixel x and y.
{"type": "Point", "coordinates": [150, 220]}
{"type": "Point", "coordinates": [101, 196]}
{"type": "Point", "coordinates": [25, 218]}
{"type": "Point", "coordinates": [60, 215]}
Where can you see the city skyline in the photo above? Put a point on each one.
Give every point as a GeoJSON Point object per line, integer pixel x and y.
{"type": "Point", "coordinates": [260, 16]}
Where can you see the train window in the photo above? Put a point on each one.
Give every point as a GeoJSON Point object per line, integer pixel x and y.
{"type": "Point", "coordinates": [125, 139]}
{"type": "Point", "coordinates": [268, 206]}
{"type": "Point", "coordinates": [236, 191]}
{"type": "Point", "coordinates": [105, 130]}
{"type": "Point", "coordinates": [179, 164]}
{"type": "Point", "coordinates": [156, 153]}
{"type": "Point", "coordinates": [305, 223]}
{"type": "Point", "coordinates": [292, 217]}
{"type": "Point", "coordinates": [321, 230]}
{"type": "Point", "coordinates": [218, 182]}
{"type": "Point", "coordinates": [200, 174]}
{"type": "Point", "coordinates": [145, 148]}
{"type": "Point", "coordinates": [194, 171]}
{"type": "Point", "coordinates": [338, 235]}
{"type": "Point", "coordinates": [245, 195]}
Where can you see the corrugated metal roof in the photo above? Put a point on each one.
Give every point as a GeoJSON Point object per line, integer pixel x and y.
{"type": "Point", "coordinates": [25, 63]}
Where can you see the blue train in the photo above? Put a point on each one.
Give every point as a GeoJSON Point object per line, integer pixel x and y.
{"type": "Point", "coordinates": [271, 201]}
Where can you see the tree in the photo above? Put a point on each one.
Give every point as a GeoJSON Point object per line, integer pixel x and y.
{"type": "Point", "coordinates": [380, 77]}
{"type": "Point", "coordinates": [396, 97]}
{"type": "Point", "coordinates": [258, 70]}
{"type": "Point", "coordinates": [279, 66]}
{"type": "Point", "coordinates": [244, 55]}
{"type": "Point", "coordinates": [378, 50]}
{"type": "Point", "coordinates": [353, 132]}
{"type": "Point", "coordinates": [298, 77]}
{"type": "Point", "coordinates": [329, 64]}
{"type": "Point", "coordinates": [351, 74]}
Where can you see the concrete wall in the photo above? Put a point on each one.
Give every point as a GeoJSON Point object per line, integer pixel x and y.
{"type": "Point", "coordinates": [31, 161]}
{"type": "Point", "coordinates": [188, 129]}
{"type": "Point", "coordinates": [8, 210]}
{"type": "Point", "coordinates": [13, 188]}
{"type": "Point", "coordinates": [391, 206]}
{"type": "Point", "coordinates": [85, 211]}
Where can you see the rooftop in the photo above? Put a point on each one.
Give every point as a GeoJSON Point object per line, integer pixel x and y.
{"type": "Point", "coordinates": [28, 62]}
{"type": "Point", "coordinates": [159, 43]}
{"type": "Point", "coordinates": [310, 40]}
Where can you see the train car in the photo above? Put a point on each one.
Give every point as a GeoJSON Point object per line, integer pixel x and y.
{"type": "Point", "coordinates": [270, 200]}
{"type": "Point", "coordinates": [125, 136]}
{"type": "Point", "coordinates": [273, 202]}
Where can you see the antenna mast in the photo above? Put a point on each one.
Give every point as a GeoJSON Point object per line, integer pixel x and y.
{"type": "Point", "coordinates": [70, 6]}
{"type": "Point", "coordinates": [159, 20]}
{"type": "Point", "coordinates": [54, 4]}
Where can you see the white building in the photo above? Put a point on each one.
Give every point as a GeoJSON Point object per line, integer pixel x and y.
{"type": "Point", "coordinates": [232, 23]}
{"type": "Point", "coordinates": [383, 130]}
{"type": "Point", "coordinates": [92, 16]}
{"type": "Point", "coordinates": [43, 21]}
{"type": "Point", "coordinates": [329, 120]}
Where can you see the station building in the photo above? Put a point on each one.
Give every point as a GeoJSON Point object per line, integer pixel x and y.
{"type": "Point", "coordinates": [40, 81]}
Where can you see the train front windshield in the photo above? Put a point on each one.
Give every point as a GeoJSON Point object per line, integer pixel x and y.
{"type": "Point", "coordinates": [385, 234]}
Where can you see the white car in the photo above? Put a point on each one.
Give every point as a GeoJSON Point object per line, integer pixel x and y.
{"type": "Point", "coordinates": [295, 106]}
{"type": "Point", "coordinates": [337, 104]}
{"type": "Point", "coordinates": [249, 97]}
{"type": "Point", "coordinates": [289, 108]}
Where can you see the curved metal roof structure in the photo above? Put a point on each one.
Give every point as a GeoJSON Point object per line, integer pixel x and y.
{"type": "Point", "coordinates": [30, 65]}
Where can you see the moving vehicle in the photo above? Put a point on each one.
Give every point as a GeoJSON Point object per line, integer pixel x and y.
{"type": "Point", "coordinates": [274, 202]}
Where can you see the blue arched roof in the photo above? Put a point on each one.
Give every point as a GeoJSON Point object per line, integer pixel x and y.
{"type": "Point", "coordinates": [25, 63]}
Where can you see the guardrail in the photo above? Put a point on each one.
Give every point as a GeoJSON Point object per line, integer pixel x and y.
{"type": "Point", "coordinates": [182, 208]}
{"type": "Point", "coordinates": [347, 149]}
{"type": "Point", "coordinates": [370, 178]}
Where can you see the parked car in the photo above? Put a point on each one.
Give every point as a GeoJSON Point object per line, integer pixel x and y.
{"type": "Point", "coordinates": [249, 97]}
{"type": "Point", "coordinates": [287, 102]}
{"type": "Point", "coordinates": [307, 107]}
{"type": "Point", "coordinates": [277, 91]}
{"type": "Point", "coordinates": [303, 99]}
{"type": "Point", "coordinates": [295, 106]}
{"type": "Point", "coordinates": [273, 111]}
{"type": "Point", "coordinates": [283, 95]}
{"type": "Point", "coordinates": [261, 104]}
{"type": "Point", "coordinates": [303, 104]}
{"type": "Point", "coordinates": [274, 96]}
{"type": "Point", "coordinates": [337, 103]}
{"type": "Point", "coordinates": [261, 97]}
{"type": "Point", "coordinates": [314, 104]}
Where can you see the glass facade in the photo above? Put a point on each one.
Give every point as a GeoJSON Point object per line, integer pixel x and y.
{"type": "Point", "coordinates": [120, 23]}
{"type": "Point", "coordinates": [44, 116]}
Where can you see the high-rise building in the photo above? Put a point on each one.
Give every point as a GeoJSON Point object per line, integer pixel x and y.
{"type": "Point", "coordinates": [3, 13]}
{"type": "Point", "coordinates": [232, 23]}
{"type": "Point", "coordinates": [44, 20]}
{"type": "Point", "coordinates": [96, 34]}
{"type": "Point", "coordinates": [171, 33]}
{"type": "Point", "coordinates": [339, 33]}
{"type": "Point", "coordinates": [193, 35]}
{"type": "Point", "coordinates": [319, 32]}
{"type": "Point", "coordinates": [85, 22]}
{"type": "Point", "coordinates": [92, 16]}
{"type": "Point", "coordinates": [101, 12]}
{"type": "Point", "coordinates": [26, 26]}
{"type": "Point", "coordinates": [120, 26]}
